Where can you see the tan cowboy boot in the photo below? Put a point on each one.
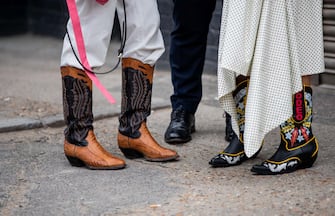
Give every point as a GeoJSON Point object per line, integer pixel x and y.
{"type": "Point", "coordinates": [80, 146]}
{"type": "Point", "coordinates": [134, 138]}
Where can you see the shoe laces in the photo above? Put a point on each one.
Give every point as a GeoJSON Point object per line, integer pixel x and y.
{"type": "Point", "coordinates": [179, 114]}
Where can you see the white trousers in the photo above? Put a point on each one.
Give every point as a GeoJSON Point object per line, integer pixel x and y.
{"type": "Point", "coordinates": [144, 40]}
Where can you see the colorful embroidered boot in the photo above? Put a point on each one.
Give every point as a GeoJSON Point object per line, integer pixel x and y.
{"type": "Point", "coordinates": [134, 138]}
{"type": "Point", "coordinates": [81, 146]}
{"type": "Point", "coordinates": [298, 148]}
{"type": "Point", "coordinates": [234, 153]}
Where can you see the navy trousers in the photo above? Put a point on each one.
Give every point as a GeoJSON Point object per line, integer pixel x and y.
{"type": "Point", "coordinates": [187, 52]}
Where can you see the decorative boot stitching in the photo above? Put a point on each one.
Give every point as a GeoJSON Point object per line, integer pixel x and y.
{"type": "Point", "coordinates": [297, 130]}
{"type": "Point", "coordinates": [136, 101]}
{"type": "Point", "coordinates": [296, 133]}
{"type": "Point", "coordinates": [77, 102]}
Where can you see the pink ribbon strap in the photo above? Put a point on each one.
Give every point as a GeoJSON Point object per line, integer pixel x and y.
{"type": "Point", "coordinates": [102, 2]}
{"type": "Point", "coordinates": [71, 4]}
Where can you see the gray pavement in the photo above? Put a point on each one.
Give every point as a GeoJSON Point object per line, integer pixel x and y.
{"type": "Point", "coordinates": [36, 179]}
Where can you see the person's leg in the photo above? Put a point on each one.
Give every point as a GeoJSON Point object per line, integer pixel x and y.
{"type": "Point", "coordinates": [187, 56]}
{"type": "Point", "coordinates": [80, 145]}
{"type": "Point", "coordinates": [96, 24]}
{"type": "Point", "coordinates": [143, 47]}
{"type": "Point", "coordinates": [187, 51]}
{"type": "Point", "coordinates": [298, 148]}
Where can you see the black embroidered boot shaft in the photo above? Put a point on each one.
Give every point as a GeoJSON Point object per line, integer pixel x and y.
{"type": "Point", "coordinates": [77, 105]}
{"type": "Point", "coordinates": [234, 153]}
{"type": "Point", "coordinates": [298, 148]}
{"type": "Point", "coordinates": [136, 96]}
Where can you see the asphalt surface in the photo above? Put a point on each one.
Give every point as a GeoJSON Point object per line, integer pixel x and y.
{"type": "Point", "coordinates": [36, 179]}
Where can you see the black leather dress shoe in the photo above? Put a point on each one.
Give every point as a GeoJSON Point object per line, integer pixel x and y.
{"type": "Point", "coordinates": [181, 126]}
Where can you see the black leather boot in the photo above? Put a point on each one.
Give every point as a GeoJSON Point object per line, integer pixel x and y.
{"type": "Point", "coordinates": [181, 126]}
{"type": "Point", "coordinates": [234, 153]}
{"type": "Point", "coordinates": [298, 148]}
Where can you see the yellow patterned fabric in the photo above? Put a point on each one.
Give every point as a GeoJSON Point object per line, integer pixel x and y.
{"type": "Point", "coordinates": [275, 43]}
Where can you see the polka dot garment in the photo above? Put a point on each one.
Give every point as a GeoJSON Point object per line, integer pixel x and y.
{"type": "Point", "coordinates": [275, 43]}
